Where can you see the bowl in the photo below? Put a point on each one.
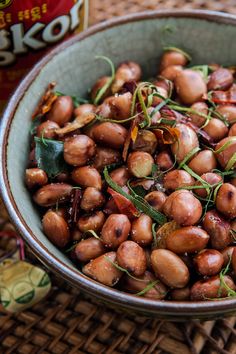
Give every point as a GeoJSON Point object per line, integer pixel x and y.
{"type": "Point", "coordinates": [206, 36]}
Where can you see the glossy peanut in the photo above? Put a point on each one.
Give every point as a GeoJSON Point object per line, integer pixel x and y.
{"type": "Point", "coordinates": [141, 230]}
{"type": "Point", "coordinates": [226, 200]}
{"type": "Point", "coordinates": [189, 239]}
{"type": "Point", "coordinates": [176, 179]}
{"type": "Point", "coordinates": [229, 149]}
{"type": "Point", "coordinates": [169, 268]}
{"type": "Point", "coordinates": [156, 199]}
{"type": "Point", "coordinates": [220, 79]}
{"type": "Point", "coordinates": [180, 294]}
{"type": "Point", "coordinates": [183, 207]}
{"type": "Point", "coordinates": [89, 249]}
{"type": "Point", "coordinates": [104, 157]}
{"type": "Point", "coordinates": [102, 269]}
{"type": "Point", "coordinates": [87, 176]}
{"type": "Point", "coordinates": [120, 176]}
{"type": "Point", "coordinates": [187, 141]}
{"type": "Point", "coordinates": [213, 179]}
{"type": "Point", "coordinates": [116, 107]}
{"type": "Point", "coordinates": [56, 229]}
{"type": "Point", "coordinates": [171, 71]}
{"type": "Point", "coordinates": [146, 184]}
{"type": "Point", "coordinates": [109, 134]}
{"type": "Point", "coordinates": [35, 177]}
{"type": "Point", "coordinates": [47, 129]}
{"type": "Point", "coordinates": [92, 199]}
{"type": "Point", "coordinates": [164, 160]}
{"type": "Point", "coordinates": [203, 162]}
{"type": "Point", "coordinates": [61, 111]}
{"type": "Point", "coordinates": [78, 150]}
{"type": "Point", "coordinates": [198, 107]}
{"type": "Point", "coordinates": [172, 57]}
{"type": "Point", "coordinates": [211, 288]}
{"type": "Point", "coordinates": [232, 131]}
{"type": "Point", "coordinates": [190, 86]}
{"type": "Point", "coordinates": [140, 164]}
{"type": "Point", "coordinates": [84, 109]}
{"type": "Point", "coordinates": [209, 262]}
{"type": "Point", "coordinates": [157, 292]}
{"type": "Point", "coordinates": [53, 193]}
{"type": "Point", "coordinates": [93, 221]}
{"type": "Point", "coordinates": [218, 228]}
{"type": "Point", "coordinates": [228, 111]}
{"type": "Point", "coordinates": [145, 141]}
{"type": "Point", "coordinates": [216, 129]}
{"type": "Point", "coordinates": [132, 257]}
{"type": "Point", "coordinates": [100, 83]}
{"type": "Point", "coordinates": [126, 72]}
{"type": "Point", "coordinates": [227, 254]}
{"type": "Point", "coordinates": [115, 230]}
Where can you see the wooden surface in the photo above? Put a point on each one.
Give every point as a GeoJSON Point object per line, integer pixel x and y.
{"type": "Point", "coordinates": [67, 322]}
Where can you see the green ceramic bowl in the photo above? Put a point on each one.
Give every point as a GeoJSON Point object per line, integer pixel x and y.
{"type": "Point", "coordinates": [207, 36]}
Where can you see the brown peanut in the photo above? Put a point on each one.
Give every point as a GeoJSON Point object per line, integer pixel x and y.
{"type": "Point", "coordinates": [132, 257]}
{"type": "Point", "coordinates": [115, 230]}
{"type": "Point", "coordinates": [78, 150]}
{"type": "Point", "coordinates": [35, 177]}
{"type": "Point", "coordinates": [87, 176]}
{"type": "Point", "coordinates": [211, 288]}
{"type": "Point", "coordinates": [53, 193]}
{"type": "Point", "coordinates": [209, 262]}
{"type": "Point", "coordinates": [56, 229]}
{"type": "Point", "coordinates": [141, 230]}
{"type": "Point", "coordinates": [218, 229]}
{"type": "Point", "coordinates": [89, 249]}
{"type": "Point", "coordinates": [61, 111]}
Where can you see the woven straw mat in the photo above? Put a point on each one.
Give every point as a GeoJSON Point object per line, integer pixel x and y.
{"type": "Point", "coordinates": [66, 322]}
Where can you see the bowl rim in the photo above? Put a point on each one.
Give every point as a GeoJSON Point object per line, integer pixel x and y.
{"type": "Point", "coordinates": [75, 277]}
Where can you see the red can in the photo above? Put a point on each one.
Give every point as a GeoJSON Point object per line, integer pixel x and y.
{"type": "Point", "coordinates": [28, 28]}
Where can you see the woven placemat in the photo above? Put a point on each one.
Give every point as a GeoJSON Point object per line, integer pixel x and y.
{"type": "Point", "coordinates": [67, 322]}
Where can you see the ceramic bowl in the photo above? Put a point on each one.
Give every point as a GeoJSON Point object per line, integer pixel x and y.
{"type": "Point", "coordinates": [207, 36]}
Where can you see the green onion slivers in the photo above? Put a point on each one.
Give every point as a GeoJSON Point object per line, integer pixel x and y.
{"type": "Point", "coordinates": [109, 82]}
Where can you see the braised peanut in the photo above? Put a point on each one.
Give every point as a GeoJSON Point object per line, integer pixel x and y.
{"type": "Point", "coordinates": [84, 109]}
{"type": "Point", "coordinates": [92, 221]}
{"type": "Point", "coordinates": [187, 141]}
{"type": "Point", "coordinates": [92, 199]}
{"type": "Point", "coordinates": [183, 207]}
{"type": "Point", "coordinates": [176, 179]}
{"type": "Point", "coordinates": [218, 229]}
{"type": "Point", "coordinates": [145, 141]}
{"type": "Point", "coordinates": [120, 176]}
{"type": "Point", "coordinates": [61, 111]}
{"type": "Point", "coordinates": [201, 109]}
{"type": "Point", "coordinates": [140, 164]}
{"type": "Point", "coordinates": [188, 239]}
{"type": "Point", "coordinates": [171, 71]}
{"type": "Point", "coordinates": [211, 288]}
{"type": "Point", "coordinates": [226, 200]}
{"type": "Point", "coordinates": [229, 149]}
{"type": "Point", "coordinates": [109, 134]}
{"type": "Point", "coordinates": [116, 107]}
{"type": "Point", "coordinates": [103, 270]}
{"type": "Point", "coordinates": [52, 194]}
{"type": "Point", "coordinates": [126, 72]}
{"type": "Point", "coordinates": [141, 230]}
{"type": "Point", "coordinates": [216, 129]}
{"type": "Point", "coordinates": [232, 131]}
{"type": "Point", "coordinates": [228, 111]}
{"type": "Point", "coordinates": [56, 229]}
{"type": "Point", "coordinates": [87, 176]}
{"type": "Point", "coordinates": [78, 150]}
{"type": "Point", "coordinates": [190, 86]}
{"type": "Point", "coordinates": [213, 179]}
{"type": "Point", "coordinates": [132, 257]}
{"type": "Point", "coordinates": [47, 129]}
{"type": "Point", "coordinates": [104, 157]}
{"type": "Point", "coordinates": [158, 291]}
{"type": "Point", "coordinates": [89, 249]}
{"type": "Point", "coordinates": [209, 262]}
{"type": "Point", "coordinates": [100, 83]}
{"type": "Point", "coordinates": [227, 254]}
{"type": "Point", "coordinates": [220, 79]}
{"type": "Point", "coordinates": [164, 160]}
{"type": "Point", "coordinates": [156, 199]}
{"type": "Point", "coordinates": [35, 177]}
{"type": "Point", "coordinates": [172, 57]}
{"type": "Point", "coordinates": [180, 294]}
{"type": "Point", "coordinates": [169, 268]}
{"type": "Point", "coordinates": [115, 230]}
{"type": "Point", "coordinates": [203, 162]}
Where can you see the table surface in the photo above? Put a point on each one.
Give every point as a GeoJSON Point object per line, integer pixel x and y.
{"type": "Point", "coordinates": [67, 322]}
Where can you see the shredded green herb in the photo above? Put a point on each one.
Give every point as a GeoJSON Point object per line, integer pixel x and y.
{"type": "Point", "coordinates": [124, 270]}
{"type": "Point", "coordinates": [189, 156]}
{"type": "Point", "coordinates": [231, 162]}
{"type": "Point", "coordinates": [101, 92]}
{"type": "Point", "coordinates": [93, 233]}
{"type": "Point", "coordinates": [138, 201]}
{"type": "Point", "coordinates": [154, 234]}
{"type": "Point", "coordinates": [150, 286]}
